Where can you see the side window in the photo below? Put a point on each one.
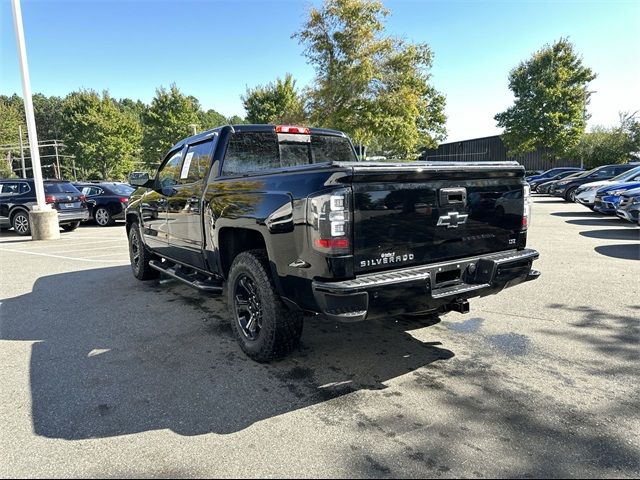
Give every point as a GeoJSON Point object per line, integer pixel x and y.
{"type": "Point", "coordinates": [196, 162]}
{"type": "Point", "coordinates": [90, 191]}
{"type": "Point", "coordinates": [10, 188]}
{"type": "Point", "coordinates": [250, 152]}
{"type": "Point", "coordinates": [24, 188]}
{"type": "Point", "coordinates": [169, 174]}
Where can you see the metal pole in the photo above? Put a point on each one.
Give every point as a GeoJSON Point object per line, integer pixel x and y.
{"type": "Point", "coordinates": [75, 174]}
{"type": "Point", "coordinates": [28, 106]}
{"type": "Point", "coordinates": [55, 146]}
{"type": "Point", "coordinates": [24, 170]}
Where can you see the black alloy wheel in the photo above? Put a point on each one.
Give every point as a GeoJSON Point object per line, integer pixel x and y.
{"type": "Point", "coordinates": [139, 256]}
{"type": "Point", "coordinates": [248, 309]}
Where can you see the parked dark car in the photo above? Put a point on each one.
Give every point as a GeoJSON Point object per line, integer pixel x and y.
{"type": "Point", "coordinates": [107, 201]}
{"type": "Point", "coordinates": [545, 188]}
{"type": "Point", "coordinates": [287, 221]}
{"type": "Point", "coordinates": [534, 184]}
{"type": "Point", "coordinates": [549, 174]}
{"type": "Point", "coordinates": [629, 206]}
{"type": "Point", "coordinates": [608, 197]}
{"type": "Point", "coordinates": [567, 188]}
{"type": "Point", "coordinates": [18, 196]}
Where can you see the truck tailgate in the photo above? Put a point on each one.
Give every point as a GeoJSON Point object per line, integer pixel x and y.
{"type": "Point", "coordinates": [417, 213]}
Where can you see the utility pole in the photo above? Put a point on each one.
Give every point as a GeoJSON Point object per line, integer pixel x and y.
{"type": "Point", "coordinates": [43, 219]}
{"type": "Point", "coordinates": [55, 146]}
{"type": "Point", "coordinates": [24, 170]}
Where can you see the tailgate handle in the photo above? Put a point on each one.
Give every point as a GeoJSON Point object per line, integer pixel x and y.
{"type": "Point", "coordinates": [453, 196]}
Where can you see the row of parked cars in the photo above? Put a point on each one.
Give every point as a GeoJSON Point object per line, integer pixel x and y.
{"type": "Point", "coordinates": [102, 202]}
{"type": "Point", "coordinates": [609, 189]}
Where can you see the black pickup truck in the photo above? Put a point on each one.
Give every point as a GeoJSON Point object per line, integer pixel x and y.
{"type": "Point", "coordinates": [291, 223]}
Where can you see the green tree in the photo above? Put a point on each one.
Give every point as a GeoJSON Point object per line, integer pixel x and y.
{"type": "Point", "coordinates": [211, 119]}
{"type": "Point", "coordinates": [5, 166]}
{"type": "Point", "coordinates": [278, 102]}
{"type": "Point", "coordinates": [237, 120]}
{"type": "Point", "coordinates": [551, 97]}
{"type": "Point", "coordinates": [166, 121]}
{"type": "Point", "coordinates": [604, 146]}
{"type": "Point", "coordinates": [104, 139]}
{"type": "Point", "coordinates": [11, 117]}
{"type": "Point", "coordinates": [368, 84]}
{"type": "Point", "coordinates": [48, 115]}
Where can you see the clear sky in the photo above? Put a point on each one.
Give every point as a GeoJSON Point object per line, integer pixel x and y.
{"type": "Point", "coordinates": [215, 49]}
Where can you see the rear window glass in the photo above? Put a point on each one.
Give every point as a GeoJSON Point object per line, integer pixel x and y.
{"type": "Point", "coordinates": [60, 187]}
{"type": "Point", "coordinates": [253, 151]}
{"type": "Point", "coordinates": [122, 189]}
{"type": "Point", "coordinates": [331, 149]}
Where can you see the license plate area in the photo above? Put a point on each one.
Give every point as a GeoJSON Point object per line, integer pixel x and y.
{"type": "Point", "coordinates": [67, 206]}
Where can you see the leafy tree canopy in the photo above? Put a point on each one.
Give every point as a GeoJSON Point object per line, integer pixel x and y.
{"type": "Point", "coordinates": [276, 103]}
{"type": "Point", "coordinates": [167, 120]}
{"type": "Point", "coordinates": [372, 86]}
{"type": "Point", "coordinates": [603, 146]}
{"type": "Point", "coordinates": [104, 138]}
{"type": "Point", "coordinates": [551, 97]}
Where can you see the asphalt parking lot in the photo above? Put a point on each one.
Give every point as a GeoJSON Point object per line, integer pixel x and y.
{"type": "Point", "coordinates": [102, 375]}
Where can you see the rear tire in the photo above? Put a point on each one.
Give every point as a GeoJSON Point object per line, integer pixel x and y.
{"type": "Point", "coordinates": [140, 256]}
{"type": "Point", "coordinates": [20, 223]}
{"type": "Point", "coordinates": [103, 217]}
{"type": "Point", "coordinates": [263, 325]}
{"type": "Point", "coordinates": [70, 227]}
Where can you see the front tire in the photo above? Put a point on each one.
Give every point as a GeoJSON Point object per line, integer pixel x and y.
{"type": "Point", "coordinates": [103, 217]}
{"type": "Point", "coordinates": [70, 227]}
{"type": "Point", "coordinates": [20, 223]}
{"type": "Point", "coordinates": [263, 325]}
{"type": "Point", "coordinates": [140, 256]}
{"type": "Point", "coordinates": [571, 195]}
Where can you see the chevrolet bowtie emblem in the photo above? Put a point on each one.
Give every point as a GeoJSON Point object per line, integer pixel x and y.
{"type": "Point", "coordinates": [452, 220]}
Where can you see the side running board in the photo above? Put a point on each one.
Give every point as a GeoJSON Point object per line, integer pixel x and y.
{"type": "Point", "coordinates": [192, 278]}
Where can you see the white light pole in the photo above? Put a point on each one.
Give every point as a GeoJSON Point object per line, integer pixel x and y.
{"type": "Point", "coordinates": [43, 219]}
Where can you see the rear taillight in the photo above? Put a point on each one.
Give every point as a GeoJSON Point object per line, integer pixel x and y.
{"type": "Point", "coordinates": [526, 217]}
{"type": "Point", "coordinates": [329, 222]}
{"type": "Point", "coordinates": [292, 129]}
{"type": "Point", "coordinates": [124, 199]}
{"type": "Point", "coordinates": [50, 199]}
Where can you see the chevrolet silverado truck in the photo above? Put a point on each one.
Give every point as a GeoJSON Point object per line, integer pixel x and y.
{"type": "Point", "coordinates": [286, 222]}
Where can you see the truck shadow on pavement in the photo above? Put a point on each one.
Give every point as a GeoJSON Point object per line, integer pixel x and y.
{"type": "Point", "coordinates": [114, 356]}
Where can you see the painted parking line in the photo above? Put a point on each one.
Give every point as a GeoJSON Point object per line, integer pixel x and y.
{"type": "Point", "coordinates": [59, 256]}
{"type": "Point", "coordinates": [65, 244]}
{"type": "Point", "coordinates": [74, 250]}
{"type": "Point", "coordinates": [124, 254]}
